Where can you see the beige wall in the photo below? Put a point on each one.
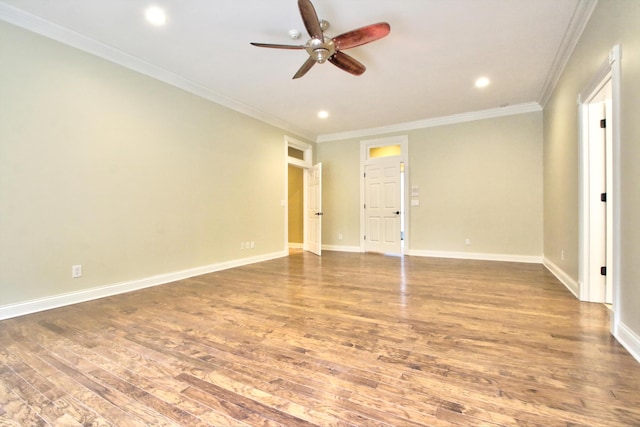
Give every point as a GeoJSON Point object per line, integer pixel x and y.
{"type": "Point", "coordinates": [295, 205]}
{"type": "Point", "coordinates": [480, 180]}
{"type": "Point", "coordinates": [613, 22]}
{"type": "Point", "coordinates": [340, 192]}
{"type": "Point", "coordinates": [123, 174]}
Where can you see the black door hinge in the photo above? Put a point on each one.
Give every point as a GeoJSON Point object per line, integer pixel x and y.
{"type": "Point", "coordinates": [603, 197]}
{"type": "Point", "coordinates": [603, 271]}
{"type": "Point", "coordinates": [603, 123]}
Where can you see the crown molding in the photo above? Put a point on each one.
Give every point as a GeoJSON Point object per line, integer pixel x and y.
{"type": "Point", "coordinates": [581, 15]}
{"type": "Point", "coordinates": [79, 41]}
{"type": "Point", "coordinates": [434, 122]}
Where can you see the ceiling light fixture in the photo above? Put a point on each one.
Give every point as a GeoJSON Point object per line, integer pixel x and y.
{"type": "Point", "coordinates": [156, 16]}
{"type": "Point", "coordinates": [294, 34]}
{"type": "Point", "coordinates": [482, 82]}
{"type": "Point", "coordinates": [323, 114]}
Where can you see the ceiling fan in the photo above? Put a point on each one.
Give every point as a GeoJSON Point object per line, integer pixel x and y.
{"type": "Point", "coordinates": [321, 48]}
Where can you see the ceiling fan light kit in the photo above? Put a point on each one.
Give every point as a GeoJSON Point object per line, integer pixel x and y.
{"type": "Point", "coordinates": [322, 49]}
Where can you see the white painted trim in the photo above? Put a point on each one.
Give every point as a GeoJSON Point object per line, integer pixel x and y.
{"type": "Point", "coordinates": [61, 34]}
{"type": "Point", "coordinates": [434, 122]}
{"type": "Point", "coordinates": [615, 58]}
{"type": "Point", "coordinates": [295, 245]}
{"type": "Point", "coordinates": [581, 15]}
{"type": "Point", "coordinates": [629, 340]}
{"type": "Point", "coordinates": [55, 301]}
{"type": "Point", "coordinates": [339, 248]}
{"type": "Point", "coordinates": [563, 277]}
{"type": "Point", "coordinates": [530, 259]}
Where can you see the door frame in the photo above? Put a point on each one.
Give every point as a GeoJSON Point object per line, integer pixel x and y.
{"type": "Point", "coordinates": [609, 71]}
{"type": "Point", "coordinates": [304, 164]}
{"type": "Point", "coordinates": [365, 146]}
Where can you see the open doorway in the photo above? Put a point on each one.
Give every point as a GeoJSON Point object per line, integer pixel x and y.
{"type": "Point", "coordinates": [303, 216]}
{"type": "Point", "coordinates": [295, 207]}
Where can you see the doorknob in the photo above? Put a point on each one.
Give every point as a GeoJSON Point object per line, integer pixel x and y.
{"type": "Point", "coordinates": [319, 213]}
{"type": "Point", "coordinates": [397, 212]}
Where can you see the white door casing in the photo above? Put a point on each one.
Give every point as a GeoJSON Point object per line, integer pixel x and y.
{"type": "Point", "coordinates": [599, 173]}
{"type": "Point", "coordinates": [367, 159]}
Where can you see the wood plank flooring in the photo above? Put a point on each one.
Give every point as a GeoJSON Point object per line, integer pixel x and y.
{"type": "Point", "coordinates": [342, 340]}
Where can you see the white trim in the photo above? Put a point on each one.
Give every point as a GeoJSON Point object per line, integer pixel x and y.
{"type": "Point", "coordinates": [434, 122]}
{"type": "Point", "coordinates": [339, 248]}
{"type": "Point", "coordinates": [615, 58]}
{"type": "Point", "coordinates": [295, 245]}
{"type": "Point", "coordinates": [581, 15]}
{"type": "Point", "coordinates": [629, 339]}
{"type": "Point", "coordinates": [55, 301]}
{"type": "Point", "coordinates": [56, 32]}
{"type": "Point", "coordinates": [530, 259]}
{"type": "Point", "coordinates": [564, 278]}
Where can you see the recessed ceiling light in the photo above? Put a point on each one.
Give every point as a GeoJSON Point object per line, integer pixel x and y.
{"type": "Point", "coordinates": [323, 114]}
{"type": "Point", "coordinates": [482, 82]}
{"type": "Point", "coordinates": [156, 16]}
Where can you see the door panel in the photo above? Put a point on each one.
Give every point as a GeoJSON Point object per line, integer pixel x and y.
{"type": "Point", "coordinates": [597, 209]}
{"type": "Point", "coordinates": [382, 207]}
{"type": "Point", "coordinates": [313, 242]}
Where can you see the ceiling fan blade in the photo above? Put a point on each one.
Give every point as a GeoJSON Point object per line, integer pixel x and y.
{"type": "Point", "coordinates": [347, 63]}
{"type": "Point", "coordinates": [277, 46]}
{"type": "Point", "coordinates": [310, 19]}
{"type": "Point", "coordinates": [305, 67]}
{"type": "Point", "coordinates": [362, 35]}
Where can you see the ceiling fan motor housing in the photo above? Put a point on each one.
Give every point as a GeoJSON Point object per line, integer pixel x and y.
{"type": "Point", "coordinates": [320, 50]}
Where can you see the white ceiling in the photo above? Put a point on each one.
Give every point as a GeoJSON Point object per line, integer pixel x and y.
{"type": "Point", "coordinates": [424, 69]}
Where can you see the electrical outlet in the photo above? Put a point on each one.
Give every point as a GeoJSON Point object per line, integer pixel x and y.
{"type": "Point", "coordinates": [241, 246]}
{"type": "Point", "coordinates": [253, 244]}
{"type": "Point", "coordinates": [76, 271]}
{"type": "Point", "coordinates": [467, 242]}
{"type": "Point", "coordinates": [340, 236]}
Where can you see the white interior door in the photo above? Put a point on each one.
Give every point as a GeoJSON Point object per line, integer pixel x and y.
{"type": "Point", "coordinates": [597, 209]}
{"type": "Point", "coordinates": [598, 258]}
{"type": "Point", "coordinates": [382, 207]}
{"type": "Point", "coordinates": [313, 214]}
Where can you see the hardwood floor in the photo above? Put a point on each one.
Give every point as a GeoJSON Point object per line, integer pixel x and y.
{"type": "Point", "coordinates": [343, 340]}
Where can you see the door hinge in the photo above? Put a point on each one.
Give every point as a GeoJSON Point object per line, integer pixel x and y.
{"type": "Point", "coordinates": [603, 197]}
{"type": "Point", "coordinates": [365, 174]}
{"type": "Point", "coordinates": [365, 237]}
{"type": "Point", "coordinates": [365, 206]}
{"type": "Point", "coordinates": [603, 271]}
{"type": "Point", "coordinates": [603, 123]}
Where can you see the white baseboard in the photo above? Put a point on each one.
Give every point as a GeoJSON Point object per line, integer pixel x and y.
{"type": "Point", "coordinates": [477, 256]}
{"type": "Point", "coordinates": [296, 245]}
{"type": "Point", "coordinates": [339, 248]}
{"type": "Point", "coordinates": [55, 301]}
{"type": "Point", "coordinates": [572, 285]}
{"type": "Point", "coordinates": [629, 339]}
